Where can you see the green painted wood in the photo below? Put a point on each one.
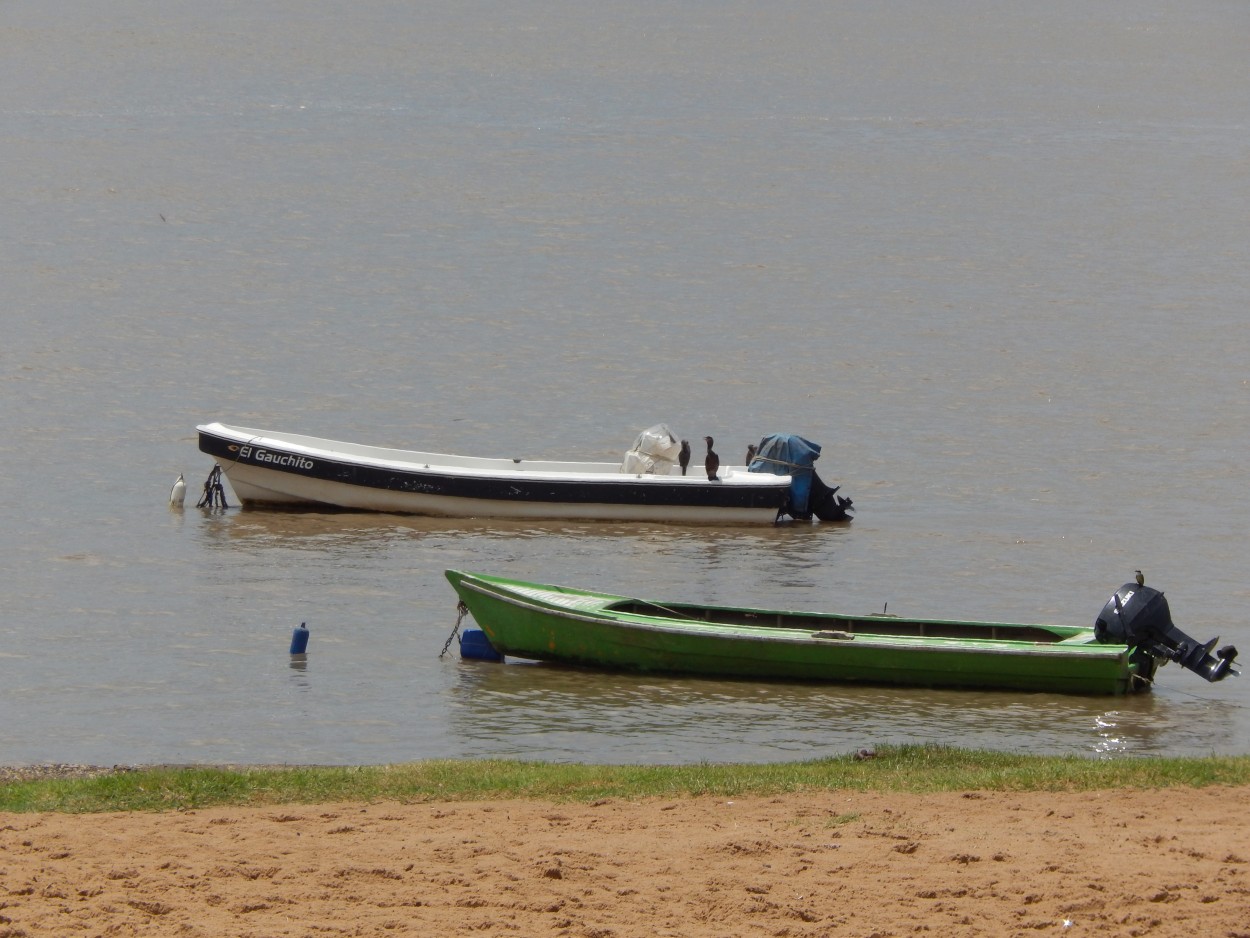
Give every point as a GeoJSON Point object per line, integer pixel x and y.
{"type": "Point", "coordinates": [553, 623]}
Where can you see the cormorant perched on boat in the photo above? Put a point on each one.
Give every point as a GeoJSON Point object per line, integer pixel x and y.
{"type": "Point", "coordinates": [752, 449]}
{"type": "Point", "coordinates": [711, 462]}
{"type": "Point", "coordinates": [1141, 580]}
{"type": "Point", "coordinates": [683, 458]}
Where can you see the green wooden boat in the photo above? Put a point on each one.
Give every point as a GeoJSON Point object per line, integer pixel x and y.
{"type": "Point", "coordinates": [600, 630]}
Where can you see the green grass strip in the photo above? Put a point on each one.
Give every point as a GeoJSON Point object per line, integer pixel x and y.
{"type": "Point", "coordinates": [893, 768]}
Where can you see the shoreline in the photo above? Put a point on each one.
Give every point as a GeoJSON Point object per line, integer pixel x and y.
{"type": "Point", "coordinates": [90, 788]}
{"type": "Point", "coordinates": [1160, 862]}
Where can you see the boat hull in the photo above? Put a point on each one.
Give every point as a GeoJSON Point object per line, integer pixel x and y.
{"type": "Point", "coordinates": [580, 628]}
{"type": "Point", "coordinates": [287, 470]}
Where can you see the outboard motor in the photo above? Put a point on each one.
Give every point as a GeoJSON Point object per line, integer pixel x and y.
{"type": "Point", "coordinates": [825, 502]}
{"type": "Point", "coordinates": [787, 454]}
{"type": "Point", "coordinates": [1138, 616]}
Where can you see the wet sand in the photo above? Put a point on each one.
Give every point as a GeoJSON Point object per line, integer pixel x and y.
{"type": "Point", "coordinates": [1131, 863]}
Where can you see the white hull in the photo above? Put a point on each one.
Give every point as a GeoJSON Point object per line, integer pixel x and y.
{"type": "Point", "coordinates": [280, 469]}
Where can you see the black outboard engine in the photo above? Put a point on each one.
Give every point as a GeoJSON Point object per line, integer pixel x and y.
{"type": "Point", "coordinates": [825, 502]}
{"type": "Point", "coordinates": [787, 454]}
{"type": "Point", "coordinates": [1138, 616]}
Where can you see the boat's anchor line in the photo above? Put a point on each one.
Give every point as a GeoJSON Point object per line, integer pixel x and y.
{"type": "Point", "coordinates": [214, 492]}
{"type": "Point", "coordinates": [461, 611]}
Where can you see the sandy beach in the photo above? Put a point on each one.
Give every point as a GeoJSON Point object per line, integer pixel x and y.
{"type": "Point", "coordinates": [1131, 863]}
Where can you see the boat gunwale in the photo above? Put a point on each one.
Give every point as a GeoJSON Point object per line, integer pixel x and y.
{"type": "Point", "coordinates": [426, 464]}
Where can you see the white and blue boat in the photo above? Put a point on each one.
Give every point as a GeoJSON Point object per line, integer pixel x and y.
{"type": "Point", "coordinates": [279, 469]}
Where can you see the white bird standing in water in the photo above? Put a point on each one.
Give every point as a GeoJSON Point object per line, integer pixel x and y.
{"type": "Point", "coordinates": [178, 494]}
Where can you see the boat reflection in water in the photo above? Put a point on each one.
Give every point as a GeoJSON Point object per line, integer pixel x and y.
{"type": "Point", "coordinates": [550, 712]}
{"type": "Point", "coordinates": [1163, 723]}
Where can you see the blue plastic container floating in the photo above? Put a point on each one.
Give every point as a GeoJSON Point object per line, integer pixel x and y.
{"type": "Point", "coordinates": [474, 644]}
{"type": "Point", "coordinates": [299, 640]}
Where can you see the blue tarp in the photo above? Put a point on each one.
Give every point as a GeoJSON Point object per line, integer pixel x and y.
{"type": "Point", "coordinates": [788, 454]}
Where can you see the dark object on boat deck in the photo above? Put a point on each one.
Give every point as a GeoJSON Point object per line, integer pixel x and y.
{"type": "Point", "coordinates": [299, 639]}
{"type": "Point", "coordinates": [711, 462]}
{"type": "Point", "coordinates": [683, 458]}
{"type": "Point", "coordinates": [1139, 617]}
{"type": "Point", "coordinates": [751, 450]}
{"type": "Point", "coordinates": [214, 492]}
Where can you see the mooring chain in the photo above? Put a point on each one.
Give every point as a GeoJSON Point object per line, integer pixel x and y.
{"type": "Point", "coordinates": [462, 610]}
{"type": "Point", "coordinates": [214, 492]}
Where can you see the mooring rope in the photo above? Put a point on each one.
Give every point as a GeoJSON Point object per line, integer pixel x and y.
{"type": "Point", "coordinates": [675, 613]}
{"type": "Point", "coordinates": [778, 462]}
{"type": "Point", "coordinates": [463, 611]}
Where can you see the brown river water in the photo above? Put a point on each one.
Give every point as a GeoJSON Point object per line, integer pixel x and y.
{"type": "Point", "coordinates": [994, 257]}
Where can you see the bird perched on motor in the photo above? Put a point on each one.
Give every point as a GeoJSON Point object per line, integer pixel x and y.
{"type": "Point", "coordinates": [178, 494]}
{"type": "Point", "coordinates": [1141, 580]}
{"type": "Point", "coordinates": [752, 449]}
{"type": "Point", "coordinates": [711, 462]}
{"type": "Point", "coordinates": [683, 458]}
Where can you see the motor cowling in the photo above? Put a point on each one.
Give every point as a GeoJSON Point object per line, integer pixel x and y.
{"type": "Point", "coordinates": [1139, 617]}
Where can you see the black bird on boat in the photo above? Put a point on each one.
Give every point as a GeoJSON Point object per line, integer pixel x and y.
{"type": "Point", "coordinates": [711, 462]}
{"type": "Point", "coordinates": [751, 450]}
{"type": "Point", "coordinates": [683, 458]}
